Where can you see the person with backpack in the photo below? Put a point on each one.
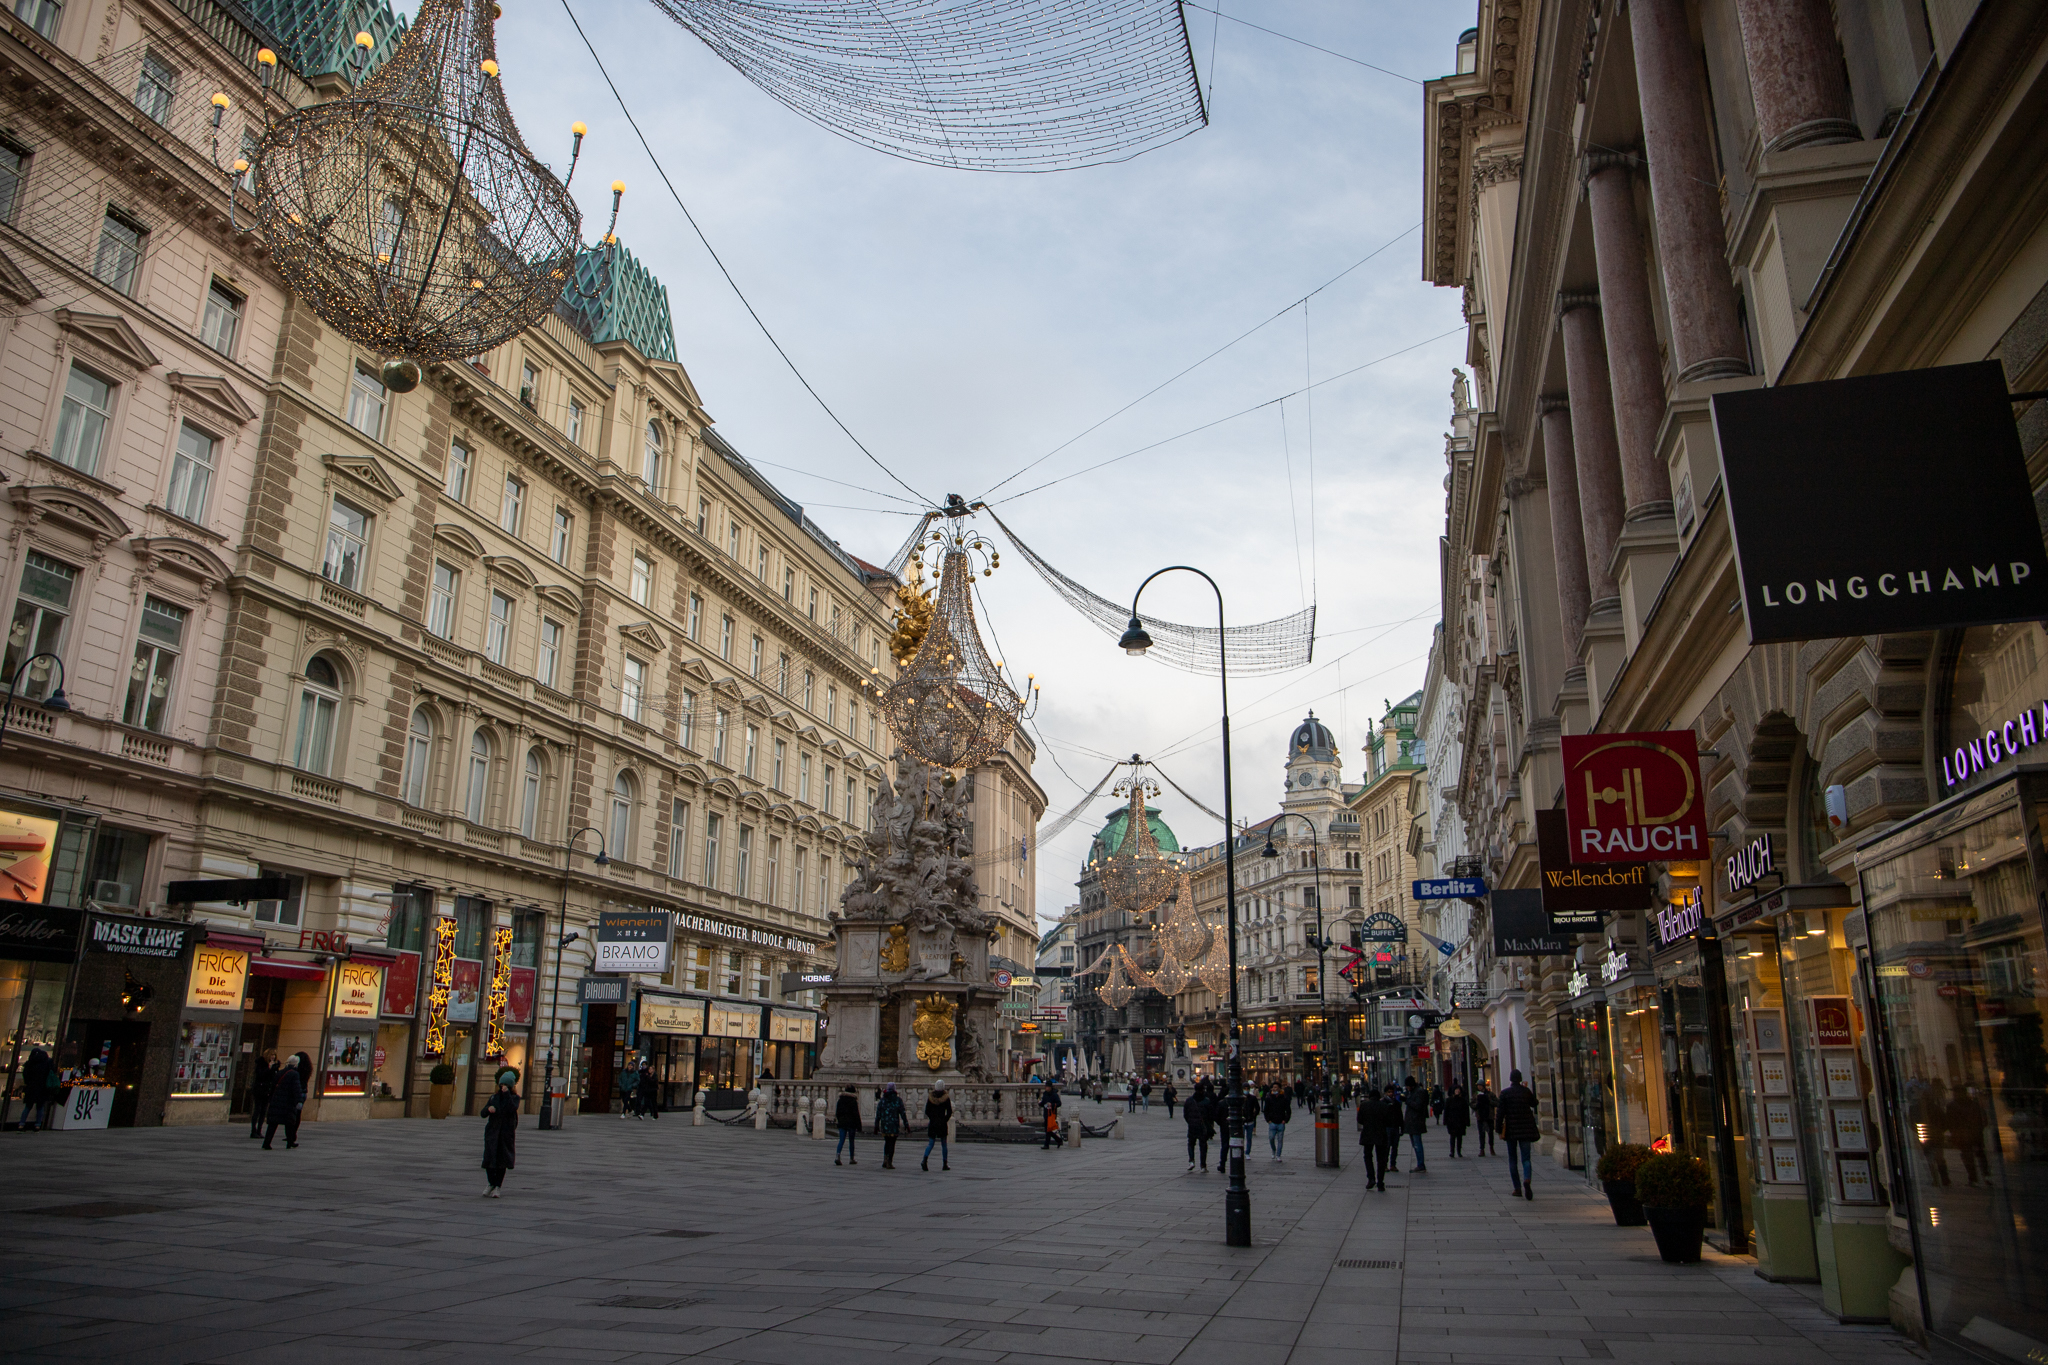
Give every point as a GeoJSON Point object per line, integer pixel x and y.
{"type": "Point", "coordinates": [1518, 1125]}
{"type": "Point", "coordinates": [1279, 1108]}
{"type": "Point", "coordinates": [890, 1120]}
{"type": "Point", "coordinates": [847, 1115]}
{"type": "Point", "coordinates": [1049, 1107]}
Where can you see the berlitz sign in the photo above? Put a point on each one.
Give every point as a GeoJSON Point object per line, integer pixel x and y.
{"type": "Point", "coordinates": [1929, 521]}
{"type": "Point", "coordinates": [1633, 797]}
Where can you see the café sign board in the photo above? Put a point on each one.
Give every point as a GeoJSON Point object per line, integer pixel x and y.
{"type": "Point", "coordinates": [1632, 797]}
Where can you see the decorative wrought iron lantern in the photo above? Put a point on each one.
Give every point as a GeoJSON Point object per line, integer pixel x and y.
{"type": "Point", "coordinates": [410, 215]}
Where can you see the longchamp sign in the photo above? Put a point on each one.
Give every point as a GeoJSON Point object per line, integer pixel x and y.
{"type": "Point", "coordinates": [1634, 797]}
{"type": "Point", "coordinates": [1930, 518]}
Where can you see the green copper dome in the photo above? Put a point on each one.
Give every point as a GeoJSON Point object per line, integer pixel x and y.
{"type": "Point", "coordinates": [1111, 837]}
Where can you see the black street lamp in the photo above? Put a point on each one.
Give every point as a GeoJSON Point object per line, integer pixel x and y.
{"type": "Point", "coordinates": [1237, 1199]}
{"type": "Point", "coordinates": [562, 940]}
{"type": "Point", "coordinates": [1318, 942]}
{"type": "Point", "coordinates": [56, 701]}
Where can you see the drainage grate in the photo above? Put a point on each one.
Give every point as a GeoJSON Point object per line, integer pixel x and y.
{"type": "Point", "coordinates": [643, 1301]}
{"type": "Point", "coordinates": [102, 1210]}
{"type": "Point", "coordinates": [682, 1232]}
{"type": "Point", "coordinates": [1368, 1265]}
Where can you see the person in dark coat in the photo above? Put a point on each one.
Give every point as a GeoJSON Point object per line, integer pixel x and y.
{"type": "Point", "coordinates": [890, 1120]}
{"type": "Point", "coordinates": [260, 1085]}
{"type": "Point", "coordinates": [1171, 1095]}
{"type": "Point", "coordinates": [1457, 1116]}
{"type": "Point", "coordinates": [847, 1115]}
{"type": "Point", "coordinates": [1279, 1109]}
{"type": "Point", "coordinates": [650, 1091]}
{"type": "Point", "coordinates": [938, 1122]}
{"type": "Point", "coordinates": [1436, 1101]}
{"type": "Point", "coordinates": [629, 1092]}
{"type": "Point", "coordinates": [1415, 1119]}
{"type": "Point", "coordinates": [1390, 1126]}
{"type": "Point", "coordinates": [501, 1121]}
{"type": "Point", "coordinates": [1483, 1105]}
{"type": "Point", "coordinates": [1199, 1115]}
{"type": "Point", "coordinates": [36, 1089]}
{"type": "Point", "coordinates": [304, 1064]}
{"type": "Point", "coordinates": [287, 1099]}
{"type": "Point", "coordinates": [1369, 1138]}
{"type": "Point", "coordinates": [1049, 1114]}
{"type": "Point", "coordinates": [1965, 1121]}
{"type": "Point", "coordinates": [1518, 1125]}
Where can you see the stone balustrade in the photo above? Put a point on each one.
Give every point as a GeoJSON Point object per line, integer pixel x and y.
{"type": "Point", "coordinates": [973, 1102]}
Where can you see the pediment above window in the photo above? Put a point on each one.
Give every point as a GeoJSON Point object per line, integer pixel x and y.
{"type": "Point", "coordinates": [561, 598]}
{"type": "Point", "coordinates": [15, 285]}
{"type": "Point", "coordinates": [644, 634]}
{"type": "Point", "coordinates": [109, 334]}
{"type": "Point", "coordinates": [70, 508]}
{"type": "Point", "coordinates": [213, 394]}
{"type": "Point", "coordinates": [458, 540]}
{"type": "Point", "coordinates": [188, 559]}
{"type": "Point", "coordinates": [512, 570]}
{"type": "Point", "coordinates": [367, 474]}
{"type": "Point", "coordinates": [694, 669]}
{"type": "Point", "coordinates": [727, 688]}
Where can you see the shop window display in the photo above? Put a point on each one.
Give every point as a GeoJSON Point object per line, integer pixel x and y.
{"type": "Point", "coordinates": [206, 1059]}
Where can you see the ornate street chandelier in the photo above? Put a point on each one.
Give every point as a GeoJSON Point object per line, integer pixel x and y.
{"type": "Point", "coordinates": [1138, 876]}
{"type": "Point", "coordinates": [951, 705]}
{"type": "Point", "coordinates": [1118, 990]}
{"type": "Point", "coordinates": [1213, 971]}
{"type": "Point", "coordinates": [1182, 933]}
{"type": "Point", "coordinates": [410, 215]}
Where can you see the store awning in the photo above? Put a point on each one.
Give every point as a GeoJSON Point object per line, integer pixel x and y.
{"type": "Point", "coordinates": [228, 938]}
{"type": "Point", "coordinates": [378, 953]}
{"type": "Point", "coordinates": [290, 971]}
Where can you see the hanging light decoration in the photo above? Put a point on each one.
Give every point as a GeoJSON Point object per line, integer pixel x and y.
{"type": "Point", "coordinates": [1214, 969]}
{"type": "Point", "coordinates": [1118, 990]}
{"type": "Point", "coordinates": [951, 705]}
{"type": "Point", "coordinates": [1182, 933]}
{"type": "Point", "coordinates": [410, 215]}
{"type": "Point", "coordinates": [1138, 876]}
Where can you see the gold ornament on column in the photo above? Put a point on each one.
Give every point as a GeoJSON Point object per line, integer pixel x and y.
{"type": "Point", "coordinates": [933, 1026]}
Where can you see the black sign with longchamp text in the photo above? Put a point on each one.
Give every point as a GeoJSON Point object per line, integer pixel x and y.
{"type": "Point", "coordinates": [1881, 504]}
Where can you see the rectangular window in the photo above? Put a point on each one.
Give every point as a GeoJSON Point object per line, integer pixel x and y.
{"type": "Point", "coordinates": [743, 863]}
{"type": "Point", "coordinates": [456, 485]}
{"type": "Point", "coordinates": [284, 913]}
{"type": "Point", "coordinates": [547, 667]}
{"type": "Point", "coordinates": [852, 808]}
{"type": "Point", "coordinates": [574, 431]}
{"type": "Point", "coordinates": [809, 684]}
{"type": "Point", "coordinates": [250, 145]}
{"type": "Point", "coordinates": [529, 383]}
{"type": "Point", "coordinates": [223, 320]}
{"type": "Point", "coordinates": [761, 562]}
{"type": "Point", "coordinates": [13, 171]}
{"type": "Point", "coordinates": [191, 473]}
{"type": "Point", "coordinates": [689, 735]}
{"type": "Point", "coordinates": [120, 253]}
{"type": "Point", "coordinates": [725, 638]}
{"type": "Point", "coordinates": [512, 506]}
{"type": "Point", "coordinates": [40, 15]}
{"type": "Point", "coordinates": [529, 795]}
{"type": "Point", "coordinates": [824, 885]}
{"type": "Point", "coordinates": [441, 601]}
{"type": "Point", "coordinates": [831, 704]}
{"type": "Point", "coordinates": [319, 709]}
{"type": "Point", "coordinates": [753, 747]}
{"type": "Point", "coordinates": [42, 611]}
{"type": "Point", "coordinates": [754, 664]}
{"type": "Point", "coordinates": [825, 796]}
{"type": "Point", "coordinates": [633, 689]}
{"type": "Point", "coordinates": [788, 584]}
{"type": "Point", "coordinates": [734, 963]}
{"type": "Point", "coordinates": [366, 399]}
{"type": "Point", "coordinates": [82, 421]}
{"type": "Point", "coordinates": [156, 87]}
{"type": "Point", "coordinates": [713, 826]}
{"type": "Point", "coordinates": [773, 889]}
{"type": "Point", "coordinates": [732, 540]}
{"type": "Point", "coordinates": [348, 537]}
{"type": "Point", "coordinates": [796, 881]}
{"type": "Point", "coordinates": [696, 619]}
{"type": "Point", "coordinates": [498, 633]}
{"type": "Point", "coordinates": [760, 977]}
{"type": "Point", "coordinates": [782, 675]}
{"type": "Point", "coordinates": [642, 588]}
{"type": "Point", "coordinates": [562, 536]}
{"type": "Point", "coordinates": [803, 778]}
{"type": "Point", "coordinates": [814, 604]}
{"type": "Point", "coordinates": [699, 967]}
{"type": "Point", "coordinates": [158, 642]}
{"type": "Point", "coordinates": [679, 840]}
{"type": "Point", "coordinates": [703, 516]}
{"type": "Point", "coordinates": [775, 772]}
{"type": "Point", "coordinates": [718, 735]}
{"type": "Point", "coordinates": [871, 727]}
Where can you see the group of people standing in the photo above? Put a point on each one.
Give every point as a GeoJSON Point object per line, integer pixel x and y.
{"type": "Point", "coordinates": [1388, 1113]}
{"type": "Point", "coordinates": [892, 1118]}
{"type": "Point", "coordinates": [639, 1092]}
{"type": "Point", "coordinates": [277, 1096]}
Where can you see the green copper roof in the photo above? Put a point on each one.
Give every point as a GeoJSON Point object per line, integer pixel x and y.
{"type": "Point", "coordinates": [319, 36]}
{"type": "Point", "coordinates": [619, 302]}
{"type": "Point", "coordinates": [1111, 836]}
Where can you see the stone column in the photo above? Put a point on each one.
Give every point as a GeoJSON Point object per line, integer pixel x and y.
{"type": "Point", "coordinates": [1706, 334]}
{"type": "Point", "coordinates": [1567, 536]}
{"type": "Point", "coordinates": [1796, 74]}
{"type": "Point", "coordinates": [1601, 506]}
{"type": "Point", "coordinates": [1632, 359]}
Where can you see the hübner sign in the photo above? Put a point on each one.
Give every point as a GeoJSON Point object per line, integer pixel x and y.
{"type": "Point", "coordinates": [704, 924]}
{"type": "Point", "coordinates": [1997, 744]}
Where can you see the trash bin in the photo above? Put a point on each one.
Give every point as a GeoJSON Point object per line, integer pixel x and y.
{"type": "Point", "coordinates": [1326, 1136]}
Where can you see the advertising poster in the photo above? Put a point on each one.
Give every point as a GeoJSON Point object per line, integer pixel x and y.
{"type": "Point", "coordinates": [219, 976]}
{"type": "Point", "coordinates": [402, 986]}
{"type": "Point", "coordinates": [25, 847]}
{"type": "Point", "coordinates": [519, 996]}
{"type": "Point", "coordinates": [465, 991]}
{"type": "Point", "coordinates": [358, 990]}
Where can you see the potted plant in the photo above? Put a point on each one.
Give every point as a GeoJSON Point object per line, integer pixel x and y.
{"type": "Point", "coordinates": [441, 1098]}
{"type": "Point", "coordinates": [1618, 1177]}
{"type": "Point", "coordinates": [1674, 1190]}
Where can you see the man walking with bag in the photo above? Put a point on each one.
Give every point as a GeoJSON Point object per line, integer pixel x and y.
{"type": "Point", "coordinates": [1518, 1126]}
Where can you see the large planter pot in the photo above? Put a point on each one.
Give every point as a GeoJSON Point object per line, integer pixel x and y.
{"type": "Point", "coordinates": [1679, 1233]}
{"type": "Point", "coordinates": [1621, 1197]}
{"type": "Point", "coordinates": [440, 1099]}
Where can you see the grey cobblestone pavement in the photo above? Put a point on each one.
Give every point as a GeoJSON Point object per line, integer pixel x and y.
{"type": "Point", "coordinates": [652, 1241]}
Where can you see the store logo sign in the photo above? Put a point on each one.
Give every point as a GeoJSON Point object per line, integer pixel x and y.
{"type": "Point", "coordinates": [1633, 797]}
{"type": "Point", "coordinates": [1997, 744]}
{"type": "Point", "coordinates": [1679, 920]}
{"type": "Point", "coordinates": [1614, 968]}
{"type": "Point", "coordinates": [1751, 863]}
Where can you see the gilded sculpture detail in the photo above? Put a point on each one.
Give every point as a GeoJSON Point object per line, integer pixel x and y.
{"type": "Point", "coordinates": [934, 1029]}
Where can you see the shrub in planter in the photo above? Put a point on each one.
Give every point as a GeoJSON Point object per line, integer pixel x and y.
{"type": "Point", "coordinates": [1674, 1190]}
{"type": "Point", "coordinates": [1617, 1176]}
{"type": "Point", "coordinates": [441, 1099]}
{"type": "Point", "coordinates": [442, 1074]}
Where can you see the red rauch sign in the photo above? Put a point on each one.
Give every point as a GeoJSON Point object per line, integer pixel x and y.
{"type": "Point", "coordinates": [1634, 797]}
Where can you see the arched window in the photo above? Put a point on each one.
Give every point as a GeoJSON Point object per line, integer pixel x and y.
{"type": "Point", "coordinates": [529, 798]}
{"type": "Point", "coordinates": [621, 841]}
{"type": "Point", "coordinates": [419, 755]}
{"type": "Point", "coordinates": [479, 778]}
{"type": "Point", "coordinates": [319, 714]}
{"type": "Point", "coordinates": [651, 469]}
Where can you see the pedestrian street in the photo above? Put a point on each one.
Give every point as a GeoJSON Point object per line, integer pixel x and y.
{"type": "Point", "coordinates": [651, 1240]}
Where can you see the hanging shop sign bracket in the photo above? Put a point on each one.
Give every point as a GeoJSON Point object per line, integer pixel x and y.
{"type": "Point", "coordinates": [233, 891]}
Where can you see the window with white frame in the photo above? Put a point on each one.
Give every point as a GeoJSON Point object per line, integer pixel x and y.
{"type": "Point", "coordinates": [824, 883]}
{"type": "Point", "coordinates": [814, 604]}
{"type": "Point", "coordinates": [788, 584]}
{"type": "Point", "coordinates": [796, 880]}
{"type": "Point", "coordinates": [563, 535]}
{"type": "Point", "coordinates": [772, 886]}
{"type": "Point", "coordinates": [441, 600]}
{"type": "Point", "coordinates": [319, 715]}
{"type": "Point", "coordinates": [529, 794]}
{"type": "Point", "coordinates": [390, 238]}
{"type": "Point", "coordinates": [622, 818]}
{"type": "Point", "coordinates": [547, 666]}
{"type": "Point", "coordinates": [732, 540]}
{"type": "Point", "coordinates": [743, 862]}
{"type": "Point", "coordinates": [191, 473]}
{"type": "Point", "coordinates": [512, 506]}
{"type": "Point", "coordinates": [222, 322]}
{"type": "Point", "coordinates": [825, 796]}
{"type": "Point", "coordinates": [734, 964]}
{"type": "Point", "coordinates": [633, 689]}
{"type": "Point", "coordinates": [119, 258]}
{"type": "Point", "coordinates": [754, 663]}
{"type": "Point", "coordinates": [803, 778]}
{"type": "Point", "coordinates": [479, 788]}
{"type": "Point", "coordinates": [529, 383]}
{"type": "Point", "coordinates": [456, 485]}
{"type": "Point", "coordinates": [642, 587]}
{"type": "Point", "coordinates": [498, 630]}
{"type": "Point", "coordinates": [286, 912]}
{"type": "Point", "coordinates": [159, 640]}
{"type": "Point", "coordinates": [156, 87]}
{"type": "Point", "coordinates": [753, 747]}
{"type": "Point", "coordinates": [419, 758]}
{"type": "Point", "coordinates": [679, 840]}
{"type": "Point", "coordinates": [82, 421]}
{"type": "Point", "coordinates": [871, 727]}
{"type": "Point", "coordinates": [725, 628]}
{"type": "Point", "coordinates": [250, 145]}
{"type": "Point", "coordinates": [782, 674]}
{"type": "Point", "coordinates": [776, 771]}
{"type": "Point", "coordinates": [574, 430]}
{"type": "Point", "coordinates": [40, 15]}
{"type": "Point", "coordinates": [714, 826]}
{"type": "Point", "coordinates": [761, 562]}
{"type": "Point", "coordinates": [367, 398]}
{"type": "Point", "coordinates": [348, 541]}
{"type": "Point", "coordinates": [696, 617]}
{"type": "Point", "coordinates": [852, 808]}
{"type": "Point", "coordinates": [810, 681]}
{"type": "Point", "coordinates": [831, 704]}
{"type": "Point", "coordinates": [718, 719]}
{"type": "Point", "coordinates": [14, 159]}
{"type": "Point", "coordinates": [689, 726]}
{"type": "Point", "coordinates": [651, 460]}
{"type": "Point", "coordinates": [703, 516]}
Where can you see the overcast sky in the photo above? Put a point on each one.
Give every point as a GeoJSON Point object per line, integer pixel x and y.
{"type": "Point", "coordinates": [966, 323]}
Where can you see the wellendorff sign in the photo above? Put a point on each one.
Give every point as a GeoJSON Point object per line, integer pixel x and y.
{"type": "Point", "coordinates": [1930, 519]}
{"type": "Point", "coordinates": [1579, 897]}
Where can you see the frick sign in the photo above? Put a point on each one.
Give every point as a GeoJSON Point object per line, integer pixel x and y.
{"type": "Point", "coordinates": [1634, 797]}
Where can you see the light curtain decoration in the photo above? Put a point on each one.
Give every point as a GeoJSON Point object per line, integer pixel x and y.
{"type": "Point", "coordinates": [1118, 990]}
{"type": "Point", "coordinates": [1138, 876]}
{"type": "Point", "coordinates": [501, 986]}
{"type": "Point", "coordinates": [443, 987]}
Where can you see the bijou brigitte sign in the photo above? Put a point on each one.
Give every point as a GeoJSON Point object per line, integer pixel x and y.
{"type": "Point", "coordinates": [1633, 797]}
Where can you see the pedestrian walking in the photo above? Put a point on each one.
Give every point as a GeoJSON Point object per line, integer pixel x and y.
{"type": "Point", "coordinates": [890, 1118]}
{"type": "Point", "coordinates": [1049, 1107]}
{"type": "Point", "coordinates": [847, 1115]}
{"type": "Point", "coordinates": [287, 1099]}
{"type": "Point", "coordinates": [1171, 1095]}
{"type": "Point", "coordinates": [1965, 1121]}
{"type": "Point", "coordinates": [1483, 1105]}
{"type": "Point", "coordinates": [1436, 1102]}
{"type": "Point", "coordinates": [1145, 1096]}
{"type": "Point", "coordinates": [1132, 1106]}
{"type": "Point", "coordinates": [304, 1066]}
{"type": "Point", "coordinates": [1416, 1121]}
{"type": "Point", "coordinates": [1372, 1136]}
{"type": "Point", "coordinates": [1199, 1116]}
{"type": "Point", "coordinates": [1457, 1117]}
{"type": "Point", "coordinates": [938, 1122]}
{"type": "Point", "coordinates": [36, 1090]}
{"type": "Point", "coordinates": [629, 1092]}
{"type": "Point", "coordinates": [501, 1121]}
{"type": "Point", "coordinates": [1279, 1109]}
{"type": "Point", "coordinates": [1392, 1122]}
{"type": "Point", "coordinates": [1518, 1126]}
{"type": "Point", "coordinates": [650, 1091]}
{"type": "Point", "coordinates": [261, 1082]}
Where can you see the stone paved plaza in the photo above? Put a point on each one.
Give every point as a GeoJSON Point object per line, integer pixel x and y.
{"type": "Point", "coordinates": [649, 1241]}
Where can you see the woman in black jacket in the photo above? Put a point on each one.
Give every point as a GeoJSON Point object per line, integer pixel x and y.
{"type": "Point", "coordinates": [287, 1099]}
{"type": "Point", "coordinates": [260, 1085]}
{"type": "Point", "coordinates": [847, 1116]}
{"type": "Point", "coordinates": [501, 1121]}
{"type": "Point", "coordinates": [1416, 1120]}
{"type": "Point", "coordinates": [1457, 1116]}
{"type": "Point", "coordinates": [938, 1123]}
{"type": "Point", "coordinates": [1199, 1114]}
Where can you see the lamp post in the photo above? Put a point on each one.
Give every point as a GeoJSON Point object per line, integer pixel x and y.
{"type": "Point", "coordinates": [1237, 1200]}
{"type": "Point", "coordinates": [1319, 943]}
{"type": "Point", "coordinates": [562, 939]}
{"type": "Point", "coordinates": [56, 701]}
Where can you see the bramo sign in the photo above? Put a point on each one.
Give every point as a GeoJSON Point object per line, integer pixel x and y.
{"type": "Point", "coordinates": [632, 940]}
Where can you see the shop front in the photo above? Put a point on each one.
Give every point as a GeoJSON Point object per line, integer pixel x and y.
{"type": "Point", "coordinates": [730, 1054]}
{"type": "Point", "coordinates": [1588, 1070]}
{"type": "Point", "coordinates": [210, 1034]}
{"type": "Point", "coordinates": [1697, 1058]}
{"type": "Point", "coordinates": [670, 1029]}
{"type": "Point", "coordinates": [792, 1051]}
{"type": "Point", "coordinates": [349, 1063]}
{"type": "Point", "coordinates": [124, 1020]}
{"type": "Point", "coordinates": [38, 944]}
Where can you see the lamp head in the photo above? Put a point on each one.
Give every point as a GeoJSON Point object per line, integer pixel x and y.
{"type": "Point", "coordinates": [1135, 641]}
{"type": "Point", "coordinates": [57, 701]}
{"type": "Point", "coordinates": [602, 861]}
{"type": "Point", "coordinates": [1269, 851]}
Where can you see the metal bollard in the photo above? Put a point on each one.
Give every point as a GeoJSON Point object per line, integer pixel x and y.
{"type": "Point", "coordinates": [1327, 1145]}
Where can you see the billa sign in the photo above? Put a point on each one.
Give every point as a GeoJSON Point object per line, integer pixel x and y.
{"type": "Point", "coordinates": [219, 978]}
{"type": "Point", "coordinates": [1633, 797]}
{"type": "Point", "coordinates": [632, 940]}
{"type": "Point", "coordinates": [1929, 518]}
{"type": "Point", "coordinates": [1521, 928]}
{"type": "Point", "coordinates": [1578, 899]}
